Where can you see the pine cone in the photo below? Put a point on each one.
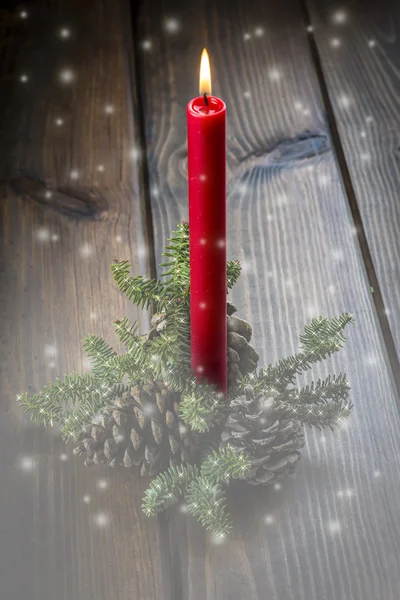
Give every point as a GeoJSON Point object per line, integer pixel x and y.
{"type": "Point", "coordinates": [261, 426]}
{"type": "Point", "coordinates": [241, 358]}
{"type": "Point", "coordinates": [143, 429]}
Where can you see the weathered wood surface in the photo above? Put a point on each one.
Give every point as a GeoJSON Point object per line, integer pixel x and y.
{"type": "Point", "coordinates": [66, 531]}
{"type": "Point", "coordinates": [359, 51]}
{"type": "Point", "coordinates": [332, 531]}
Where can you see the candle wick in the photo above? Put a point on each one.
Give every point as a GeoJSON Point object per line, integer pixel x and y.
{"type": "Point", "coordinates": [205, 99]}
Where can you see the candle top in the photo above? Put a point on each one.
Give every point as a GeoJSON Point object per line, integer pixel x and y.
{"type": "Point", "coordinates": [199, 108]}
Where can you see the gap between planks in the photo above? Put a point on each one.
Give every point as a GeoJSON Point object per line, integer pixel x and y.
{"type": "Point", "coordinates": [351, 196]}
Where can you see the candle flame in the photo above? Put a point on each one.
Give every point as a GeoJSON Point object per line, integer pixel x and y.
{"type": "Point", "coordinates": [205, 74]}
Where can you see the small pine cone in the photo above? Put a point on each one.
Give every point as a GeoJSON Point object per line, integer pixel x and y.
{"type": "Point", "coordinates": [261, 427]}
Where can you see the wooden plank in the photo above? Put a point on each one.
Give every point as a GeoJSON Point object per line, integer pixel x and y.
{"type": "Point", "coordinates": [67, 531]}
{"type": "Point", "coordinates": [332, 530]}
{"type": "Point", "coordinates": [359, 53]}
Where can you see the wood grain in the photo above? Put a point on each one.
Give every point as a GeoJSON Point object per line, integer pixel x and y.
{"type": "Point", "coordinates": [331, 531]}
{"type": "Point", "coordinates": [67, 531]}
{"type": "Point", "coordinates": [363, 81]}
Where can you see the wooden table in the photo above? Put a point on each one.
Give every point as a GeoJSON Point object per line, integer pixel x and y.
{"type": "Point", "coordinates": [93, 167]}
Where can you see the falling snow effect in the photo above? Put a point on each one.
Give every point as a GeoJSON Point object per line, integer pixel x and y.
{"type": "Point", "coordinates": [171, 25]}
{"type": "Point", "coordinates": [85, 251]}
{"type": "Point", "coordinates": [334, 527]}
{"type": "Point", "coordinates": [246, 94]}
{"type": "Point", "coordinates": [27, 463]}
{"type": "Point", "coordinates": [259, 32]}
{"type": "Point", "coordinates": [50, 351]}
{"type": "Point", "coordinates": [109, 109]}
{"type": "Point", "coordinates": [246, 37]}
{"type": "Point", "coordinates": [372, 43]}
{"type": "Point", "coordinates": [23, 78]}
{"type": "Point", "coordinates": [277, 487]}
{"type": "Point", "coordinates": [102, 519]}
{"type": "Point", "coordinates": [48, 195]}
{"type": "Point", "coordinates": [59, 122]}
{"type": "Point", "coordinates": [65, 33]}
{"type": "Point", "coordinates": [100, 168]}
{"type": "Point", "coordinates": [66, 76]}
{"type": "Point", "coordinates": [102, 484]}
{"type": "Point", "coordinates": [310, 28]}
{"type": "Point", "coordinates": [23, 14]}
{"type": "Point", "coordinates": [377, 474]}
{"type": "Point", "coordinates": [339, 17]}
{"type": "Point", "coordinates": [64, 457]}
{"type": "Point", "coordinates": [269, 520]}
{"type": "Point", "coordinates": [86, 499]}
{"type": "Point", "coordinates": [43, 234]}
{"type": "Point", "coordinates": [344, 101]}
{"type": "Point", "coordinates": [335, 43]}
{"type": "Point", "coordinates": [274, 74]}
{"type": "Point", "coordinates": [146, 45]}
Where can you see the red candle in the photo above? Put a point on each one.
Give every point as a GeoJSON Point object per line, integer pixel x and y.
{"type": "Point", "coordinates": [207, 232]}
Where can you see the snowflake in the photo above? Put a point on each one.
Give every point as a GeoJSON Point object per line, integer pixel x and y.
{"type": "Point", "coordinates": [344, 101]}
{"type": "Point", "coordinates": [334, 527]}
{"type": "Point", "coordinates": [371, 43]}
{"type": "Point", "coordinates": [109, 109]}
{"type": "Point", "coordinates": [63, 457]}
{"type": "Point", "coordinates": [339, 17]}
{"type": "Point", "coordinates": [65, 33]}
{"type": "Point", "coordinates": [335, 43]}
{"type": "Point", "coordinates": [100, 168]}
{"type": "Point", "coordinates": [146, 45]}
{"type": "Point", "coordinates": [274, 74]}
{"type": "Point", "coordinates": [66, 75]}
{"type": "Point", "coordinates": [102, 519]}
{"type": "Point", "coordinates": [74, 174]}
{"type": "Point", "coordinates": [172, 25]}
{"type": "Point", "coordinates": [246, 37]}
{"type": "Point", "coordinates": [27, 463]}
{"type": "Point", "coordinates": [247, 94]}
{"type": "Point", "coordinates": [259, 31]}
{"type": "Point", "coordinates": [102, 484]}
{"type": "Point", "coordinates": [85, 250]}
{"type": "Point", "coordinates": [23, 78]}
{"type": "Point", "coordinates": [50, 350]}
{"type": "Point", "coordinates": [23, 14]}
{"type": "Point", "coordinates": [310, 28]}
{"type": "Point", "coordinates": [43, 234]}
{"type": "Point", "coordinates": [86, 499]}
{"type": "Point", "coordinates": [269, 520]}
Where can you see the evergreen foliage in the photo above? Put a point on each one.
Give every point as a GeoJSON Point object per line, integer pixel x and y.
{"type": "Point", "coordinates": [76, 400]}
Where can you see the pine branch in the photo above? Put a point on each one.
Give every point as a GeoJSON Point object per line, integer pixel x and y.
{"type": "Point", "coordinates": [319, 416]}
{"type": "Point", "coordinates": [141, 290]}
{"type": "Point", "coordinates": [89, 407]}
{"type": "Point", "coordinates": [321, 338]}
{"type": "Point", "coordinates": [207, 503]}
{"type": "Point", "coordinates": [225, 464]}
{"type": "Point", "coordinates": [233, 271]}
{"type": "Point", "coordinates": [54, 402]}
{"type": "Point", "coordinates": [179, 269]}
{"type": "Point", "coordinates": [332, 388]}
{"type": "Point", "coordinates": [166, 488]}
{"type": "Point", "coordinates": [100, 355]}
